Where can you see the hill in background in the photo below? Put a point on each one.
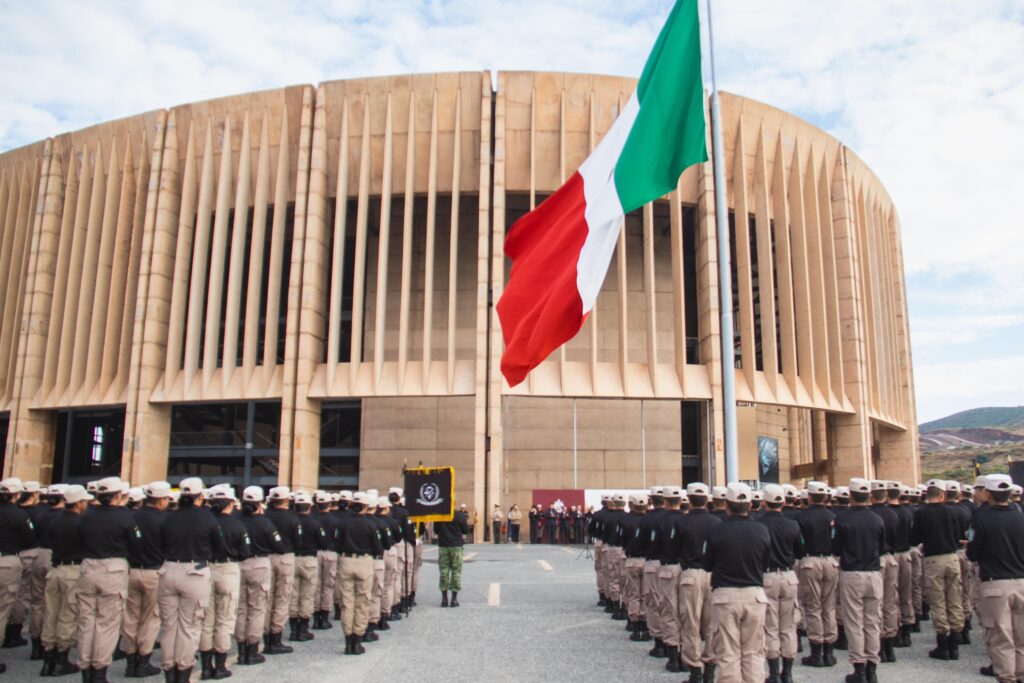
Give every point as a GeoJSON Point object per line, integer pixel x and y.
{"type": "Point", "coordinates": [992, 436]}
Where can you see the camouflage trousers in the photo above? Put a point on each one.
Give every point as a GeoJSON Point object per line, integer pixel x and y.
{"type": "Point", "coordinates": [449, 563]}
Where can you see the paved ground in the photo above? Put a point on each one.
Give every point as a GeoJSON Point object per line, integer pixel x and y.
{"type": "Point", "coordinates": [528, 614]}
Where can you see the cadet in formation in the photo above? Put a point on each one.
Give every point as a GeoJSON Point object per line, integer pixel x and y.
{"type": "Point", "coordinates": [120, 566]}
{"type": "Point", "coordinates": [727, 580]}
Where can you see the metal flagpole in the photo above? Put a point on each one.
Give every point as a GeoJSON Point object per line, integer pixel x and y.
{"type": "Point", "coordinates": [724, 270]}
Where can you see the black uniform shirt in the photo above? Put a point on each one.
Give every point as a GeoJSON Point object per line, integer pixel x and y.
{"type": "Point", "coordinates": [385, 531]}
{"type": "Point", "coordinates": [738, 553]}
{"type": "Point", "coordinates": [788, 512]}
{"type": "Point", "coordinates": [611, 527]}
{"type": "Point", "coordinates": [963, 518]}
{"type": "Point", "coordinates": [858, 540]}
{"type": "Point", "coordinates": [937, 528]}
{"type": "Point", "coordinates": [901, 539]}
{"type": "Point", "coordinates": [632, 534]}
{"type": "Point", "coordinates": [109, 532]}
{"type": "Point", "coordinates": [650, 527]}
{"type": "Point", "coordinates": [263, 536]}
{"type": "Point", "coordinates": [42, 524]}
{"type": "Point", "coordinates": [720, 514]}
{"type": "Point", "coordinates": [34, 513]}
{"type": "Point", "coordinates": [408, 529]}
{"type": "Point", "coordinates": [816, 527]}
{"type": "Point", "coordinates": [313, 538]}
{"type": "Point", "coordinates": [451, 534]}
{"type": "Point", "coordinates": [17, 532]}
{"type": "Point", "coordinates": [596, 526]}
{"type": "Point", "coordinates": [394, 528]}
{"type": "Point", "coordinates": [787, 544]}
{"type": "Point", "coordinates": [359, 535]}
{"type": "Point", "coordinates": [191, 534]}
{"type": "Point", "coordinates": [66, 535]}
{"type": "Point", "coordinates": [891, 521]}
{"type": "Point", "coordinates": [287, 524]}
{"type": "Point", "coordinates": [998, 544]}
{"type": "Point", "coordinates": [236, 546]}
{"type": "Point", "coordinates": [150, 553]}
{"type": "Point", "coordinates": [669, 545]}
{"type": "Point", "coordinates": [692, 530]}
{"type": "Point", "coordinates": [330, 524]}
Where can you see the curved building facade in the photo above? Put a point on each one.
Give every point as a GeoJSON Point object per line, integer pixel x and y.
{"type": "Point", "coordinates": [297, 286]}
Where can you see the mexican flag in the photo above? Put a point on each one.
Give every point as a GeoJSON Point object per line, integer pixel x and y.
{"type": "Point", "coordinates": [560, 251]}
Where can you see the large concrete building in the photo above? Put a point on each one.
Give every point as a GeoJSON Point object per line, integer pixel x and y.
{"type": "Point", "coordinates": [297, 286]}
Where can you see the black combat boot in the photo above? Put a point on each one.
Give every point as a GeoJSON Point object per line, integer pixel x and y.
{"type": "Point", "coordinates": [926, 613]}
{"type": "Point", "coordinates": [987, 671]}
{"type": "Point", "coordinates": [220, 669]}
{"type": "Point", "coordinates": [827, 655]}
{"type": "Point", "coordinates": [630, 626]}
{"type": "Point", "coordinates": [455, 599]}
{"type": "Point", "coordinates": [49, 662]}
{"type": "Point", "coordinates": [638, 629]}
{"type": "Point", "coordinates": [64, 666]}
{"type": "Point", "coordinates": [954, 636]}
{"type": "Point", "coordinates": [132, 665]}
{"type": "Point", "coordinates": [941, 650]}
{"type": "Point", "coordinates": [143, 669]}
{"type": "Point", "coordinates": [841, 643]}
{"type": "Point", "coordinates": [275, 646]}
{"type": "Point", "coordinates": [12, 637]}
{"type": "Point", "coordinates": [709, 673]}
{"type": "Point", "coordinates": [659, 649]}
{"type": "Point", "coordinates": [254, 654]}
{"type": "Point", "coordinates": [916, 626]}
{"type": "Point", "coordinates": [871, 672]}
{"type": "Point", "coordinates": [965, 637]}
{"type": "Point", "coordinates": [645, 634]}
{"type": "Point", "coordinates": [773, 671]}
{"type": "Point", "coordinates": [813, 659]}
{"type": "Point", "coordinates": [412, 599]}
{"type": "Point", "coordinates": [396, 614]}
{"type": "Point", "coordinates": [37, 650]}
{"type": "Point", "coordinates": [304, 634]}
{"type": "Point", "coordinates": [185, 675]}
{"type": "Point", "coordinates": [787, 671]}
{"type": "Point", "coordinates": [696, 675]}
{"type": "Point", "coordinates": [382, 625]}
{"type": "Point", "coordinates": [357, 645]}
{"type": "Point", "coordinates": [674, 662]}
{"type": "Point", "coordinates": [87, 675]}
{"type": "Point", "coordinates": [620, 613]}
{"type": "Point", "coordinates": [858, 675]}
{"type": "Point", "coordinates": [371, 634]}
{"type": "Point", "coordinates": [954, 650]}
{"type": "Point", "coordinates": [800, 635]}
{"type": "Point", "coordinates": [337, 612]}
{"type": "Point", "coordinates": [444, 599]}
{"type": "Point", "coordinates": [600, 600]}
{"type": "Point", "coordinates": [293, 630]}
{"type": "Point", "coordinates": [99, 675]}
{"type": "Point", "coordinates": [887, 648]}
{"type": "Point", "coordinates": [206, 664]}
{"type": "Point", "coordinates": [119, 654]}
{"type": "Point", "coordinates": [170, 675]}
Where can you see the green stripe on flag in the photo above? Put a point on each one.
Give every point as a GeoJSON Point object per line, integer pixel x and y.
{"type": "Point", "coordinates": [668, 134]}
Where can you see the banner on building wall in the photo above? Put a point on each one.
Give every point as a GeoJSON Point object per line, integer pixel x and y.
{"type": "Point", "coordinates": [768, 460]}
{"type": "Point", "coordinates": [430, 494]}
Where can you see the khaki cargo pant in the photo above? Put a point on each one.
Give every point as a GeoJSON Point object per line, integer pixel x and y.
{"type": "Point", "coordinates": [667, 587]}
{"type": "Point", "coordinates": [917, 579]}
{"type": "Point", "coordinates": [20, 610]}
{"type": "Point", "coordinates": [219, 621]}
{"type": "Point", "coordinates": [356, 587]}
{"type": "Point", "coordinates": [377, 594]}
{"type": "Point", "coordinates": [819, 578]}
{"type": "Point", "coordinates": [615, 561]}
{"type": "Point", "coordinates": [966, 574]}
{"type": "Point", "coordinates": [60, 627]}
{"type": "Point", "coordinates": [780, 619]}
{"type": "Point", "coordinates": [905, 586]}
{"type": "Point", "coordinates": [327, 580]}
{"type": "Point", "coordinates": [304, 587]}
{"type": "Point", "coordinates": [101, 592]}
{"type": "Point", "coordinates": [37, 590]}
{"type": "Point", "coordinates": [387, 599]}
{"type": "Point", "coordinates": [141, 621]}
{"type": "Point", "coordinates": [890, 596]}
{"type": "Point", "coordinates": [942, 591]}
{"type": "Point", "coordinates": [738, 634]}
{"type": "Point", "coordinates": [253, 599]}
{"type": "Point", "coordinates": [282, 577]}
{"type": "Point", "coordinates": [406, 566]}
{"type": "Point", "coordinates": [599, 566]}
{"type": "Point", "coordinates": [418, 565]}
{"type": "Point", "coordinates": [632, 587]}
{"type": "Point", "coordinates": [10, 582]}
{"type": "Point", "coordinates": [650, 598]}
{"type": "Point", "coordinates": [860, 602]}
{"type": "Point", "coordinates": [183, 594]}
{"type": "Point", "coordinates": [1001, 613]}
{"type": "Point", "coordinates": [695, 617]}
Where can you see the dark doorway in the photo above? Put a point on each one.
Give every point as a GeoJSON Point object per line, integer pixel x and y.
{"type": "Point", "coordinates": [690, 442]}
{"type": "Point", "coordinates": [340, 424]}
{"type": "Point", "coordinates": [5, 423]}
{"type": "Point", "coordinates": [89, 444]}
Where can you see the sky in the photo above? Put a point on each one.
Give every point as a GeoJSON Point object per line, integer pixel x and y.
{"type": "Point", "coordinates": [929, 94]}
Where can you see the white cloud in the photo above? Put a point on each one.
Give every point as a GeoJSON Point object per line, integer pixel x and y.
{"type": "Point", "coordinates": [930, 95]}
{"type": "Point", "coordinates": [945, 388]}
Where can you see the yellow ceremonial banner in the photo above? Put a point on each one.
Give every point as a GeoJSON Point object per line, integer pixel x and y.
{"type": "Point", "coordinates": [430, 494]}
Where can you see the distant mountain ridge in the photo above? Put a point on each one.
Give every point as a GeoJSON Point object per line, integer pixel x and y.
{"type": "Point", "coordinates": [1009, 419]}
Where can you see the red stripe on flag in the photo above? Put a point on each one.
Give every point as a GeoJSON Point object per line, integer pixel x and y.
{"type": "Point", "coordinates": [541, 308]}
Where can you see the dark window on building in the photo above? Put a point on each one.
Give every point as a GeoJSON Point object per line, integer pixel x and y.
{"type": "Point", "coordinates": [5, 423]}
{"type": "Point", "coordinates": [236, 443]}
{"type": "Point", "coordinates": [348, 274]}
{"type": "Point", "coordinates": [88, 446]}
{"type": "Point", "coordinates": [340, 424]}
{"type": "Point", "coordinates": [690, 285]}
{"type": "Point", "coordinates": [691, 441]}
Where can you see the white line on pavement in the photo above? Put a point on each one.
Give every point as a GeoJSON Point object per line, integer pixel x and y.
{"type": "Point", "coordinates": [545, 566]}
{"type": "Point", "coordinates": [567, 550]}
{"type": "Point", "coordinates": [470, 557]}
{"type": "Point", "coordinates": [494, 595]}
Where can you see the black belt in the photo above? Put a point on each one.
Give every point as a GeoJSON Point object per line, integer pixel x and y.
{"type": "Point", "coordinates": [668, 563]}
{"type": "Point", "coordinates": [305, 554]}
{"type": "Point", "coordinates": [148, 567]}
{"type": "Point", "coordinates": [994, 578]}
{"type": "Point", "coordinates": [69, 563]}
{"type": "Point", "coordinates": [778, 570]}
{"type": "Point", "coordinates": [355, 555]}
{"type": "Point", "coordinates": [198, 563]}
{"type": "Point", "coordinates": [258, 556]}
{"type": "Point", "coordinates": [818, 555]}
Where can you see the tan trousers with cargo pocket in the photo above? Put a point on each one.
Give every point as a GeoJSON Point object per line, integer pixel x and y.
{"type": "Point", "coordinates": [390, 572]}
{"type": "Point", "coordinates": [37, 590]}
{"type": "Point", "coordinates": [20, 610]}
{"type": "Point", "coordinates": [695, 617]}
{"type": "Point", "coordinates": [219, 622]}
{"type": "Point", "coordinates": [10, 582]}
{"type": "Point", "coordinates": [282, 578]}
{"type": "Point", "coordinates": [667, 586]}
{"type": "Point", "coordinates": [1001, 613]}
{"type": "Point", "coordinates": [650, 600]}
{"type": "Point", "coordinates": [327, 574]}
{"type": "Point", "coordinates": [101, 592]}
{"type": "Point", "coordinates": [141, 622]}
{"type": "Point", "coordinates": [780, 619]}
{"type": "Point", "coordinates": [942, 591]}
{"type": "Point", "coordinates": [737, 633]}
{"type": "Point", "coordinates": [599, 565]}
{"type": "Point", "coordinates": [819, 578]}
{"type": "Point", "coordinates": [356, 587]}
{"type": "Point", "coordinates": [860, 601]}
{"type": "Point", "coordinates": [253, 599]}
{"type": "Point", "coordinates": [183, 594]}
{"type": "Point", "coordinates": [60, 627]}
{"type": "Point", "coordinates": [890, 596]}
{"type": "Point", "coordinates": [905, 581]}
{"type": "Point", "coordinates": [304, 587]}
{"type": "Point", "coordinates": [615, 561]}
{"type": "Point", "coordinates": [632, 587]}
{"type": "Point", "coordinates": [378, 590]}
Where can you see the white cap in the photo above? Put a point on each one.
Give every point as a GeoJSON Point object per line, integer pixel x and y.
{"type": "Point", "coordinates": [395, 489]}
{"type": "Point", "coordinates": [1016, 490]}
{"type": "Point", "coordinates": [817, 487]}
{"type": "Point", "coordinates": [673, 492]}
{"type": "Point", "coordinates": [737, 493]}
{"type": "Point", "coordinates": [791, 491]}
{"type": "Point", "coordinates": [345, 495]}
{"type": "Point", "coordinates": [719, 492]}
{"type": "Point", "coordinates": [858, 485]}
{"type": "Point", "coordinates": [803, 494]}
{"type": "Point", "coordinates": [937, 484]}
{"type": "Point", "coordinates": [109, 485]}
{"type": "Point", "coordinates": [303, 498]}
{"type": "Point", "coordinates": [31, 486]}
{"type": "Point", "coordinates": [361, 497]}
{"type": "Point", "coordinates": [842, 492]}
{"type": "Point", "coordinates": [878, 484]}
{"type": "Point", "coordinates": [175, 496]}
{"type": "Point", "coordinates": [157, 489]}
{"type": "Point", "coordinates": [904, 490]}
{"type": "Point", "coordinates": [253, 494]}
{"type": "Point", "coordinates": [385, 502]}
{"type": "Point", "coordinates": [372, 492]}
{"type": "Point", "coordinates": [952, 486]}
{"type": "Point", "coordinates": [619, 498]}
{"type": "Point", "coordinates": [756, 495]}
{"type": "Point", "coordinates": [999, 482]}
{"type": "Point", "coordinates": [57, 489]}
{"type": "Point", "coordinates": [192, 486]}
{"type": "Point", "coordinates": [221, 492]}
{"type": "Point", "coordinates": [91, 486]}
{"type": "Point", "coordinates": [773, 493]}
{"type": "Point", "coordinates": [697, 489]}
{"type": "Point", "coordinates": [135, 494]}
{"type": "Point", "coordinates": [322, 497]}
{"type": "Point", "coordinates": [76, 493]}
{"type": "Point", "coordinates": [279, 493]}
{"type": "Point", "coordinates": [11, 485]}
{"type": "Point", "coordinates": [980, 481]}
{"type": "Point", "coordinates": [638, 499]}
{"type": "Point", "coordinates": [657, 491]}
